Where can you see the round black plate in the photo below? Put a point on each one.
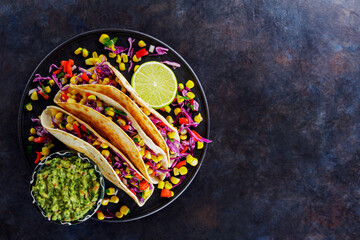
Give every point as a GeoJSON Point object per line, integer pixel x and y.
{"type": "Point", "coordinates": [89, 40]}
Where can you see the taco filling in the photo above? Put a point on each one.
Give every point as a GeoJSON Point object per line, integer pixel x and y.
{"type": "Point", "coordinates": [153, 162]}
{"type": "Point", "coordinates": [138, 185]}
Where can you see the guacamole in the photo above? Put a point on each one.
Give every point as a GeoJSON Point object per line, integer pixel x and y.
{"type": "Point", "coordinates": [66, 188]}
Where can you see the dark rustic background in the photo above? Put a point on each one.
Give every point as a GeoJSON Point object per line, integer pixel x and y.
{"type": "Point", "coordinates": [282, 81]}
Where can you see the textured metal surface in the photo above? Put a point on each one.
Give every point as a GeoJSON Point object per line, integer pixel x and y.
{"type": "Point", "coordinates": [282, 81]}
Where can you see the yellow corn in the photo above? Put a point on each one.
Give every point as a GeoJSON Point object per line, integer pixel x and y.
{"type": "Point", "coordinates": [105, 201]}
{"type": "Point", "coordinates": [73, 80]}
{"type": "Point", "coordinates": [141, 43]}
{"type": "Point", "coordinates": [112, 55]}
{"type": "Point", "coordinates": [32, 131]}
{"type": "Point", "coordinates": [110, 191]}
{"type": "Point", "coordinates": [168, 185]}
{"type": "Point", "coordinates": [159, 164]}
{"type": "Point", "coordinates": [114, 199]}
{"type": "Point", "coordinates": [179, 99]}
{"type": "Point", "coordinates": [150, 171]}
{"type": "Point", "coordinates": [124, 210]}
{"type": "Point", "coordinates": [135, 59]}
{"type": "Point", "coordinates": [146, 111]}
{"type": "Point", "coordinates": [58, 116]}
{"type": "Point", "coordinates": [51, 145]}
{"type": "Point", "coordinates": [63, 81]}
{"type": "Point", "coordinates": [169, 119]}
{"type": "Point", "coordinates": [146, 193]}
{"type": "Point", "coordinates": [96, 142]}
{"type": "Point", "coordinates": [189, 158]}
{"type": "Point", "coordinates": [45, 151]}
{"type": "Point", "coordinates": [154, 158]}
{"type": "Point", "coordinates": [100, 215]}
{"type": "Point", "coordinates": [104, 145]}
{"type": "Point", "coordinates": [142, 151]}
{"type": "Point", "coordinates": [171, 135]}
{"type": "Point", "coordinates": [190, 84]}
{"type": "Point", "coordinates": [119, 214]}
{"type": "Point", "coordinates": [181, 86]}
{"type": "Point", "coordinates": [34, 96]}
{"type": "Point", "coordinates": [122, 66]}
{"type": "Point", "coordinates": [124, 57]}
{"type": "Point", "coordinates": [95, 55]}
{"type": "Point", "coordinates": [183, 170]}
{"type": "Point", "coordinates": [194, 162]}
{"type": "Point", "coordinates": [89, 61]}
{"type": "Point", "coordinates": [167, 109]}
{"type": "Point", "coordinates": [177, 111]}
{"type": "Point", "coordinates": [71, 100]}
{"type": "Point", "coordinates": [69, 127]}
{"type": "Point", "coordinates": [148, 155]}
{"type": "Point", "coordinates": [160, 157]}
{"type": "Point", "coordinates": [29, 107]}
{"type": "Point", "coordinates": [47, 89]}
{"type": "Point", "coordinates": [93, 76]}
{"type": "Point", "coordinates": [183, 132]}
{"type": "Point", "coordinates": [110, 112]}
{"type": "Point", "coordinates": [76, 123]}
{"type": "Point", "coordinates": [121, 122]}
{"type": "Point", "coordinates": [183, 137]}
{"type": "Point", "coordinates": [51, 82]}
{"type": "Point", "coordinates": [200, 145]}
{"type": "Point", "coordinates": [198, 118]}
{"type": "Point", "coordinates": [175, 171]}
{"type": "Point", "coordinates": [175, 180]}
{"type": "Point", "coordinates": [136, 67]}
{"type": "Point", "coordinates": [118, 59]}
{"type": "Point", "coordinates": [78, 51]}
{"type": "Point", "coordinates": [105, 153]}
{"type": "Point", "coordinates": [106, 81]}
{"type": "Point", "coordinates": [31, 138]}
{"type": "Point", "coordinates": [141, 143]}
{"type": "Point", "coordinates": [85, 53]}
{"type": "Point", "coordinates": [190, 95]}
{"type": "Point", "coordinates": [117, 171]}
{"type": "Point", "coordinates": [127, 170]}
{"type": "Point", "coordinates": [123, 89]}
{"type": "Point", "coordinates": [161, 185]}
{"type": "Point", "coordinates": [92, 97]}
{"type": "Point", "coordinates": [103, 37]}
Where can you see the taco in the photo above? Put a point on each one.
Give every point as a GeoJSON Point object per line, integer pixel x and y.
{"type": "Point", "coordinates": [115, 167]}
{"type": "Point", "coordinates": [118, 125]}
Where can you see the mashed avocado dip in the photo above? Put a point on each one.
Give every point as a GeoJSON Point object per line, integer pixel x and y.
{"type": "Point", "coordinates": [66, 188]}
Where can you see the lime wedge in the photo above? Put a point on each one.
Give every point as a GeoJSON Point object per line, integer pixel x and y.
{"type": "Point", "coordinates": [155, 83]}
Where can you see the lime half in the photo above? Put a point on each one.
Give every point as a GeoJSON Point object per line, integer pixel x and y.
{"type": "Point", "coordinates": [155, 83]}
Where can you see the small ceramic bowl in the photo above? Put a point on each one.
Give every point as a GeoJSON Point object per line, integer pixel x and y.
{"type": "Point", "coordinates": [67, 153]}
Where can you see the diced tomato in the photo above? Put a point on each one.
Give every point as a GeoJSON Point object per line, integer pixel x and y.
{"type": "Point", "coordinates": [183, 120]}
{"type": "Point", "coordinates": [144, 185]}
{"type": "Point", "coordinates": [141, 53]}
{"type": "Point", "coordinates": [39, 140]}
{"type": "Point", "coordinates": [180, 164]}
{"type": "Point", "coordinates": [165, 193]}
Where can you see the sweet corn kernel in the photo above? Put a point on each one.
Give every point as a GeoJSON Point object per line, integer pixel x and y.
{"type": "Point", "coordinates": [112, 55]}
{"type": "Point", "coordinates": [47, 89]}
{"type": "Point", "coordinates": [68, 94]}
{"type": "Point", "coordinates": [141, 143]}
{"type": "Point", "coordinates": [177, 111]}
{"type": "Point", "coordinates": [154, 158]}
{"type": "Point", "coordinates": [122, 66]}
{"type": "Point", "coordinates": [123, 89]}
{"type": "Point", "coordinates": [92, 97]}
{"type": "Point", "coordinates": [169, 119]}
{"type": "Point", "coordinates": [184, 131]}
{"type": "Point", "coordinates": [32, 131]}
{"type": "Point", "coordinates": [190, 95]}
{"type": "Point", "coordinates": [179, 99]}
{"type": "Point", "coordinates": [119, 214]}
{"type": "Point", "coordinates": [106, 81]}
{"type": "Point", "coordinates": [105, 201]}
{"type": "Point", "coordinates": [146, 111]}
{"type": "Point", "coordinates": [93, 76]}
{"type": "Point", "coordinates": [124, 57]}
{"type": "Point", "coordinates": [160, 157]}
{"type": "Point", "coordinates": [51, 82]}
{"type": "Point", "coordinates": [142, 151]}
{"type": "Point", "coordinates": [118, 59]}
{"type": "Point", "coordinates": [45, 151]}
{"type": "Point", "coordinates": [63, 81]}
{"type": "Point", "coordinates": [110, 113]}
{"type": "Point", "coordinates": [148, 155]}
{"type": "Point", "coordinates": [146, 193]}
{"type": "Point", "coordinates": [175, 180]}
{"type": "Point", "coordinates": [135, 59]}
{"type": "Point", "coordinates": [59, 116]}
{"type": "Point", "coordinates": [136, 68]}
{"type": "Point", "coordinates": [183, 137]}
{"type": "Point", "coordinates": [95, 55]}
{"type": "Point", "coordinates": [85, 53]}
{"type": "Point", "coordinates": [141, 43]}
{"type": "Point", "coordinates": [103, 37]}
{"type": "Point", "coordinates": [121, 122]}
{"type": "Point", "coordinates": [71, 100]}
{"type": "Point", "coordinates": [31, 138]}
{"type": "Point", "coordinates": [189, 158]}
{"type": "Point", "coordinates": [167, 109]}
{"type": "Point", "coordinates": [105, 153]}
{"type": "Point", "coordinates": [158, 165]}
{"type": "Point", "coordinates": [34, 96]}
{"type": "Point", "coordinates": [200, 145]}
{"type": "Point", "coordinates": [114, 199]}
{"type": "Point", "coordinates": [124, 210]}
{"type": "Point", "coordinates": [168, 185]}
{"type": "Point", "coordinates": [190, 84]}
{"type": "Point", "coordinates": [69, 127]}
{"type": "Point", "coordinates": [194, 162]}
{"type": "Point", "coordinates": [100, 215]}
{"type": "Point", "coordinates": [127, 170]}
{"type": "Point", "coordinates": [104, 145]}
{"type": "Point", "coordinates": [150, 171]}
{"type": "Point", "coordinates": [183, 170]}
{"type": "Point", "coordinates": [181, 86]}
{"type": "Point", "coordinates": [161, 185]}
{"type": "Point", "coordinates": [117, 171]}
{"type": "Point", "coordinates": [96, 143]}
{"type": "Point", "coordinates": [176, 171]}
{"type": "Point", "coordinates": [78, 51]}
{"type": "Point", "coordinates": [74, 80]}
{"type": "Point", "coordinates": [198, 118]}
{"type": "Point", "coordinates": [76, 123]}
{"type": "Point", "coordinates": [110, 191]}
{"type": "Point", "coordinates": [171, 135]}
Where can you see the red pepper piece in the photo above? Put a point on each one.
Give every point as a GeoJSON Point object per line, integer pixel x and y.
{"type": "Point", "coordinates": [126, 127]}
{"type": "Point", "coordinates": [66, 97]}
{"type": "Point", "coordinates": [165, 193]}
{"type": "Point", "coordinates": [68, 69]}
{"type": "Point", "coordinates": [57, 71]}
{"type": "Point", "coordinates": [77, 130]}
{"type": "Point", "coordinates": [83, 128]}
{"type": "Point", "coordinates": [144, 185]}
{"type": "Point", "coordinates": [161, 124]}
{"type": "Point", "coordinates": [43, 95]}
{"type": "Point", "coordinates": [63, 63]}
{"type": "Point", "coordinates": [38, 156]}
{"type": "Point", "coordinates": [85, 77]}
{"type": "Point", "coordinates": [185, 149]}
{"type": "Point", "coordinates": [138, 176]}
{"type": "Point", "coordinates": [141, 53]}
{"type": "Point", "coordinates": [71, 62]}
{"type": "Point", "coordinates": [197, 135]}
{"type": "Point", "coordinates": [183, 120]}
{"type": "Point", "coordinates": [180, 164]}
{"type": "Point", "coordinates": [133, 191]}
{"type": "Point", "coordinates": [39, 140]}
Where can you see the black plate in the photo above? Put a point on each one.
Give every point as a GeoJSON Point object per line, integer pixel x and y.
{"type": "Point", "coordinates": [89, 40]}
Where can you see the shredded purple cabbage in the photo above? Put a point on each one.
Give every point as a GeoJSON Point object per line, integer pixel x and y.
{"type": "Point", "coordinates": [160, 51]}
{"type": "Point", "coordinates": [173, 64]}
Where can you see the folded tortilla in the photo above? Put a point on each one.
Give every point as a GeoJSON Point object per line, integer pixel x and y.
{"type": "Point", "coordinates": [149, 158]}
{"type": "Point", "coordinates": [86, 140]}
{"type": "Point", "coordinates": [139, 101]}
